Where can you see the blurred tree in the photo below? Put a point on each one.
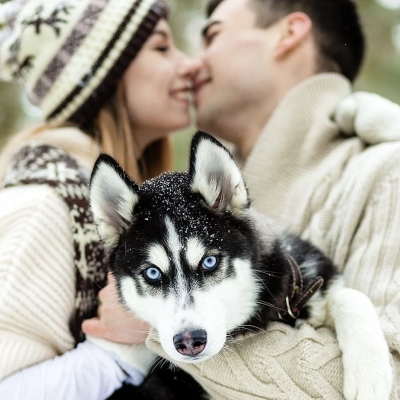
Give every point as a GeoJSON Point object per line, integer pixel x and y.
{"type": "Point", "coordinates": [381, 72]}
{"type": "Point", "coordinates": [10, 109]}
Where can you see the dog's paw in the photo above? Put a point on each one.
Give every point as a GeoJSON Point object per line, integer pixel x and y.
{"type": "Point", "coordinates": [370, 376]}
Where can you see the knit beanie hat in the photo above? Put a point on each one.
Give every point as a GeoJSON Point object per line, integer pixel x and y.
{"type": "Point", "coordinates": [70, 54]}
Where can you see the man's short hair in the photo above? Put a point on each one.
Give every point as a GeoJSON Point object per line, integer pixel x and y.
{"type": "Point", "coordinates": [336, 26]}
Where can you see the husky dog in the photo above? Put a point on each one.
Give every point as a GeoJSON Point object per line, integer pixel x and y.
{"type": "Point", "coordinates": [195, 261]}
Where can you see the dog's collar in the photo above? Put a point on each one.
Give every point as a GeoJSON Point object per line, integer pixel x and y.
{"type": "Point", "coordinates": [297, 296]}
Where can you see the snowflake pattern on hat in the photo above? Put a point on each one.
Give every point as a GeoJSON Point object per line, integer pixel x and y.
{"type": "Point", "coordinates": [54, 20]}
{"type": "Point", "coordinates": [22, 64]}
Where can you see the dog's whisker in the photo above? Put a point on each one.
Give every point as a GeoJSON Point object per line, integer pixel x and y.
{"type": "Point", "coordinates": [99, 286]}
{"type": "Point", "coordinates": [172, 367]}
{"type": "Point", "coordinates": [270, 273]}
{"type": "Point", "coordinates": [258, 316]}
{"type": "Point", "coordinates": [225, 347]}
{"type": "Point", "coordinates": [156, 363]}
{"type": "Point", "coordinates": [265, 303]}
{"type": "Point", "coordinates": [251, 328]}
{"type": "Point", "coordinates": [266, 287]}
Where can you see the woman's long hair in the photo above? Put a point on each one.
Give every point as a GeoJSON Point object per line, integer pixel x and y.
{"type": "Point", "coordinates": [113, 132]}
{"type": "Point", "coordinates": [116, 136]}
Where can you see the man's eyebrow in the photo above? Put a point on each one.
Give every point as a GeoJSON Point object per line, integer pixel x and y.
{"type": "Point", "coordinates": [208, 26]}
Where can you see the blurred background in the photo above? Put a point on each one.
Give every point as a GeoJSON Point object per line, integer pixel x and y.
{"type": "Point", "coordinates": [381, 71]}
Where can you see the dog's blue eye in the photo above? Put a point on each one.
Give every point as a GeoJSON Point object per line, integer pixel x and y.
{"type": "Point", "coordinates": [209, 263]}
{"type": "Point", "coordinates": [152, 274]}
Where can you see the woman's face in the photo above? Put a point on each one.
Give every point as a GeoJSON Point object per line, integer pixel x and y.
{"type": "Point", "coordinates": [158, 86]}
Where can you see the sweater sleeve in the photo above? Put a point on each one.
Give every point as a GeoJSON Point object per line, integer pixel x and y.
{"type": "Point", "coordinates": [84, 373]}
{"type": "Point", "coordinates": [37, 283]}
{"type": "Point", "coordinates": [282, 363]}
{"type": "Point", "coordinates": [373, 264]}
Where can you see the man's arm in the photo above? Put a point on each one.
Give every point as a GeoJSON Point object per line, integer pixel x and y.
{"type": "Point", "coordinates": [284, 363]}
{"type": "Point", "coordinates": [306, 363]}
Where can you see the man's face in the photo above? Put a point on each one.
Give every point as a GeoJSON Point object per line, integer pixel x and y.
{"type": "Point", "coordinates": [238, 65]}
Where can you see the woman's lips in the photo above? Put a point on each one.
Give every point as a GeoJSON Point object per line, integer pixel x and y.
{"type": "Point", "coordinates": [183, 94]}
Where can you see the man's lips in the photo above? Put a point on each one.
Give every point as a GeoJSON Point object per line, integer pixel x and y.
{"type": "Point", "coordinates": [199, 84]}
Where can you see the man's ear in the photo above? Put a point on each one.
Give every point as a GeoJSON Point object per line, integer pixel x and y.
{"type": "Point", "coordinates": [215, 175]}
{"type": "Point", "coordinates": [113, 197]}
{"type": "Point", "coordinates": [295, 27]}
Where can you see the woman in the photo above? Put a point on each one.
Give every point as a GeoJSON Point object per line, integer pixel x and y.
{"type": "Point", "coordinates": [108, 78]}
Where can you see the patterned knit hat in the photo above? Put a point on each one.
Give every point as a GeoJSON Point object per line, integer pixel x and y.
{"type": "Point", "coordinates": [70, 54]}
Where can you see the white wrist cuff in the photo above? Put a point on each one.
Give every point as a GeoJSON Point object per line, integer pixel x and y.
{"type": "Point", "coordinates": [136, 360]}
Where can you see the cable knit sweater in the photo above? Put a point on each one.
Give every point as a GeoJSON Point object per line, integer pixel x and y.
{"type": "Point", "coordinates": [343, 194]}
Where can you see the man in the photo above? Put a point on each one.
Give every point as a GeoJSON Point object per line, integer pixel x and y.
{"type": "Point", "coordinates": [274, 71]}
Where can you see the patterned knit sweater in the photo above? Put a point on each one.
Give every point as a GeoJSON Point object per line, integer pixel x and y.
{"type": "Point", "coordinates": [341, 193]}
{"type": "Point", "coordinates": [38, 280]}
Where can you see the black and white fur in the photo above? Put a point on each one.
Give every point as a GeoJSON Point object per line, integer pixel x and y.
{"type": "Point", "coordinates": [193, 259]}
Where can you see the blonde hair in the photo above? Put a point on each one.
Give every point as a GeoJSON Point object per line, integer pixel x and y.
{"type": "Point", "coordinates": [114, 133]}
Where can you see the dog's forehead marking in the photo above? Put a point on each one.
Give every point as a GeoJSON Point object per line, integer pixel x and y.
{"type": "Point", "coordinates": [175, 246]}
{"type": "Point", "coordinates": [174, 243]}
{"type": "Point", "coordinates": [158, 257]}
{"type": "Point", "coordinates": [194, 252]}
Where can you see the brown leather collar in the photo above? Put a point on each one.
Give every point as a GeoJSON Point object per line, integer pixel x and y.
{"type": "Point", "coordinates": [298, 296]}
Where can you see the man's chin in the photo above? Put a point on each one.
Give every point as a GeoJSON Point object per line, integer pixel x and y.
{"type": "Point", "coordinates": [203, 119]}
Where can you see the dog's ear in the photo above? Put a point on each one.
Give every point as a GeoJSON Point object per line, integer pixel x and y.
{"type": "Point", "coordinates": [216, 176]}
{"type": "Point", "coordinates": [113, 197]}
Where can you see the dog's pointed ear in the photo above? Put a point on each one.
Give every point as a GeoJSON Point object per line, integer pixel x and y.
{"type": "Point", "coordinates": [113, 197]}
{"type": "Point", "coordinates": [216, 176]}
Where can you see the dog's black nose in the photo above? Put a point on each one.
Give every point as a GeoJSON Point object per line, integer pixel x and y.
{"type": "Point", "coordinates": [190, 343]}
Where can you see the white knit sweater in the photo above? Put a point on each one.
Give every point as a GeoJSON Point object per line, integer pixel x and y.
{"type": "Point", "coordinates": [37, 289]}
{"type": "Point", "coordinates": [344, 196]}
{"type": "Point", "coordinates": [37, 278]}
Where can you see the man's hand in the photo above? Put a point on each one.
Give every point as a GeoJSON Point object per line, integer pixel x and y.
{"type": "Point", "coordinates": [114, 322]}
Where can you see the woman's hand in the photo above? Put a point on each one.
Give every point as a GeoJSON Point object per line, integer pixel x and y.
{"type": "Point", "coordinates": [114, 322]}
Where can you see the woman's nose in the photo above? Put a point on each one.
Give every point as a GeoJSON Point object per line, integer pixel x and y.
{"type": "Point", "coordinates": [190, 67]}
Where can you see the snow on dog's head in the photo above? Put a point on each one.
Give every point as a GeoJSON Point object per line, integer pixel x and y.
{"type": "Point", "coordinates": [181, 247]}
